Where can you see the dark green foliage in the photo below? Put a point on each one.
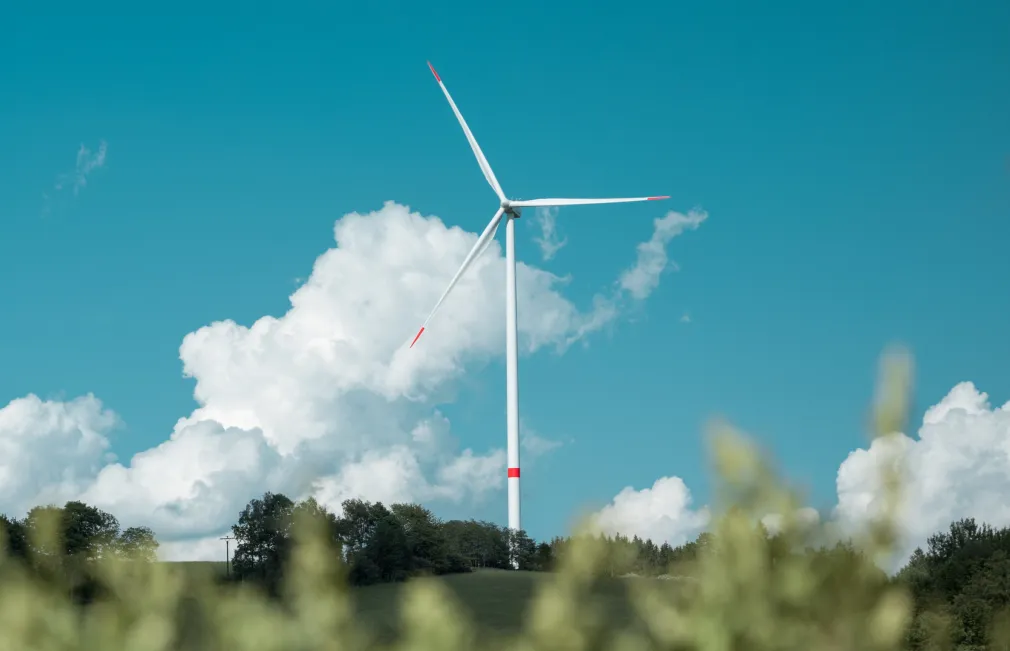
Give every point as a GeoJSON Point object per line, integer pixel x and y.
{"type": "Point", "coordinates": [961, 585]}
{"type": "Point", "coordinates": [389, 551]}
{"type": "Point", "coordinates": [479, 544]}
{"type": "Point", "coordinates": [15, 536]}
{"type": "Point", "coordinates": [960, 582]}
{"type": "Point", "coordinates": [84, 534]}
{"type": "Point", "coordinates": [61, 545]}
{"type": "Point", "coordinates": [426, 541]}
{"type": "Point", "coordinates": [544, 558]}
{"type": "Point", "coordinates": [88, 532]}
{"type": "Point", "coordinates": [138, 543]}
{"type": "Point", "coordinates": [263, 533]}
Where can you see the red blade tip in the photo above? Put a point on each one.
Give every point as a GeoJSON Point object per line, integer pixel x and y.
{"type": "Point", "coordinates": [418, 336]}
{"type": "Point", "coordinates": [658, 198]}
{"type": "Point", "coordinates": [437, 78]}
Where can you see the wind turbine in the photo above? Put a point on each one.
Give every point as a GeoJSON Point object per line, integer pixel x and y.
{"type": "Point", "coordinates": [511, 210]}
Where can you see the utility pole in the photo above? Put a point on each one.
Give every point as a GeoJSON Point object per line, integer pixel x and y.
{"type": "Point", "coordinates": [227, 555]}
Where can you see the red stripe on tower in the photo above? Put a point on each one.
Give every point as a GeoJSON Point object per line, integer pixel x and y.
{"type": "Point", "coordinates": [513, 472]}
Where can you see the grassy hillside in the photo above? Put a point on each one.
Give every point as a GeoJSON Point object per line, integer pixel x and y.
{"type": "Point", "coordinates": [496, 601]}
{"type": "Point", "coordinates": [201, 569]}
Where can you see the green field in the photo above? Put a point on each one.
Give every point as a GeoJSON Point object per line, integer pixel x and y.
{"type": "Point", "coordinates": [496, 600]}
{"type": "Point", "coordinates": [202, 569]}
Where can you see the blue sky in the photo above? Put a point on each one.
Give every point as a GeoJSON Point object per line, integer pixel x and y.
{"type": "Point", "coordinates": [854, 162]}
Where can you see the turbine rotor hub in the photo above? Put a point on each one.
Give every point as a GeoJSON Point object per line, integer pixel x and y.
{"type": "Point", "coordinates": [509, 210]}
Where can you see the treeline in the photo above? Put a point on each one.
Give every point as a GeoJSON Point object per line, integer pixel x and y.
{"type": "Point", "coordinates": [76, 531]}
{"type": "Point", "coordinates": [60, 545]}
{"type": "Point", "coordinates": [378, 543]}
{"type": "Point", "coordinates": [959, 583]}
{"type": "Point", "coordinates": [385, 544]}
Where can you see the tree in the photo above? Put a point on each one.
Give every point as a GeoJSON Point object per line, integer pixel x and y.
{"type": "Point", "coordinates": [665, 557]}
{"type": "Point", "coordinates": [88, 532]}
{"type": "Point", "coordinates": [384, 545]}
{"type": "Point", "coordinates": [15, 536]}
{"type": "Point", "coordinates": [388, 550]}
{"type": "Point", "coordinates": [76, 530]}
{"type": "Point", "coordinates": [425, 538]}
{"type": "Point", "coordinates": [43, 526]}
{"type": "Point", "coordinates": [356, 525]}
{"type": "Point", "coordinates": [63, 543]}
{"type": "Point", "coordinates": [138, 543]}
{"type": "Point", "coordinates": [263, 533]}
{"type": "Point", "coordinates": [544, 560]}
{"type": "Point", "coordinates": [480, 544]}
{"type": "Point", "coordinates": [313, 513]}
{"type": "Point", "coordinates": [963, 576]}
{"type": "Point", "coordinates": [522, 550]}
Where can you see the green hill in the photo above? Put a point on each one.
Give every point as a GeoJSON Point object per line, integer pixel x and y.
{"type": "Point", "coordinates": [197, 568]}
{"type": "Point", "coordinates": [496, 600]}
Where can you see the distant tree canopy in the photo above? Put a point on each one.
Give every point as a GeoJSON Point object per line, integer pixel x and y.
{"type": "Point", "coordinates": [75, 531]}
{"type": "Point", "coordinates": [963, 579]}
{"type": "Point", "coordinates": [960, 581]}
{"type": "Point", "coordinates": [61, 544]}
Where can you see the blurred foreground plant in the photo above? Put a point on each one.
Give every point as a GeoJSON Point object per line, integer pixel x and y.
{"type": "Point", "coordinates": [745, 590]}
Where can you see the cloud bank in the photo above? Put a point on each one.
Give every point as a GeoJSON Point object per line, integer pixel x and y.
{"type": "Point", "coordinates": [325, 400]}
{"type": "Point", "coordinates": [958, 466]}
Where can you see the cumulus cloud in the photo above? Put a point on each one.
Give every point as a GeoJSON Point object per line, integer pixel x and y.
{"type": "Point", "coordinates": [550, 244]}
{"type": "Point", "coordinates": [662, 513]}
{"type": "Point", "coordinates": [957, 467]}
{"type": "Point", "coordinates": [51, 450]}
{"type": "Point", "coordinates": [642, 278]}
{"type": "Point", "coordinates": [804, 516]}
{"type": "Point", "coordinates": [208, 548]}
{"type": "Point", "coordinates": [325, 400]}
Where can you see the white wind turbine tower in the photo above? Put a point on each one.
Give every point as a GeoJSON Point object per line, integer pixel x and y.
{"type": "Point", "coordinates": [511, 210]}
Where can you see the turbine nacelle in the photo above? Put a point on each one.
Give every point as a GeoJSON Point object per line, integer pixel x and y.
{"type": "Point", "coordinates": [506, 206]}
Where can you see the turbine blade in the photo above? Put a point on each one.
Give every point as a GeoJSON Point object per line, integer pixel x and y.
{"type": "Point", "coordinates": [478, 248]}
{"type": "Point", "coordinates": [481, 159]}
{"type": "Point", "coordinates": [577, 202]}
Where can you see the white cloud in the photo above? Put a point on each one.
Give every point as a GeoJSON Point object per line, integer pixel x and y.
{"type": "Point", "coordinates": [194, 482]}
{"type": "Point", "coordinates": [535, 445]}
{"type": "Point", "coordinates": [548, 239]}
{"type": "Point", "coordinates": [208, 548]}
{"type": "Point", "coordinates": [50, 450]}
{"type": "Point", "coordinates": [662, 513]}
{"type": "Point", "coordinates": [641, 279]}
{"type": "Point", "coordinates": [803, 516]}
{"type": "Point", "coordinates": [957, 467]}
{"type": "Point", "coordinates": [87, 162]}
{"type": "Point", "coordinates": [325, 399]}
{"type": "Point", "coordinates": [685, 318]}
